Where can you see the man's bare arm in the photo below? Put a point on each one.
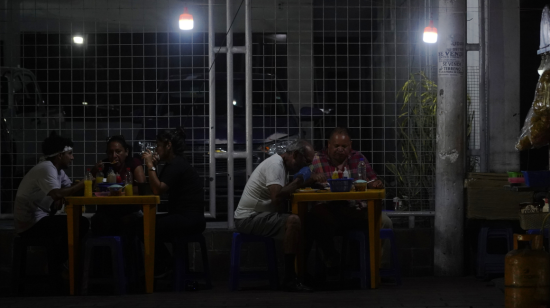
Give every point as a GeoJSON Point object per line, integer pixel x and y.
{"type": "Point", "coordinates": [279, 193]}
{"type": "Point", "coordinates": [376, 184]}
{"type": "Point", "coordinates": [60, 193]}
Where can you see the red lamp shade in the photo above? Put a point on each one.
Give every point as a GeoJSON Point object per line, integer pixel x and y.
{"type": "Point", "coordinates": [186, 20]}
{"type": "Point", "coordinates": [430, 33]}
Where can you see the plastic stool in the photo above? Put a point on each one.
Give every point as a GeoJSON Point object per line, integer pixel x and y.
{"type": "Point", "coordinates": [537, 231]}
{"type": "Point", "coordinates": [181, 261]}
{"type": "Point", "coordinates": [235, 274]}
{"type": "Point", "coordinates": [19, 269]}
{"type": "Point", "coordinates": [395, 270]}
{"type": "Point", "coordinates": [364, 257]}
{"type": "Point", "coordinates": [492, 263]}
{"type": "Point", "coordinates": [115, 244]}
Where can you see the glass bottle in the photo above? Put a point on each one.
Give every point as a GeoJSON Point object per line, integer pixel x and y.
{"type": "Point", "coordinates": [361, 169]}
{"type": "Point", "coordinates": [99, 178]}
{"type": "Point", "coordinates": [129, 187]}
{"type": "Point", "coordinates": [88, 180]}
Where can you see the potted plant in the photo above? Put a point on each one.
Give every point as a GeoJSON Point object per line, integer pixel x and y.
{"type": "Point", "coordinates": [414, 169]}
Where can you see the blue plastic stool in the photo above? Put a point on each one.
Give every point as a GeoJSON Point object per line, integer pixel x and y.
{"type": "Point", "coordinates": [19, 269]}
{"type": "Point", "coordinates": [537, 231]}
{"type": "Point", "coordinates": [115, 244]}
{"type": "Point", "coordinates": [181, 261]}
{"type": "Point", "coordinates": [235, 274]}
{"type": "Point", "coordinates": [364, 257]}
{"type": "Point", "coordinates": [492, 263]}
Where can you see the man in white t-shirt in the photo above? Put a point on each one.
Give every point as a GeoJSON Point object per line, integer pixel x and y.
{"type": "Point", "coordinates": [261, 211]}
{"type": "Point", "coordinates": [40, 195]}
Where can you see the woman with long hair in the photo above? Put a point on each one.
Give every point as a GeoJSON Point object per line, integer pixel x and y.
{"type": "Point", "coordinates": [181, 182]}
{"type": "Point", "coordinates": [123, 219]}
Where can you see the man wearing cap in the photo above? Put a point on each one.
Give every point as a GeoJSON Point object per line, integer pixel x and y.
{"type": "Point", "coordinates": [40, 195]}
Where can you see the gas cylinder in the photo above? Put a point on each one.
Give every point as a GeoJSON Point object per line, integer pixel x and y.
{"type": "Point", "coordinates": [527, 274]}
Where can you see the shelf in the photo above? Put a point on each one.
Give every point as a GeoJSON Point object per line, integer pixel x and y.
{"type": "Point", "coordinates": [524, 188]}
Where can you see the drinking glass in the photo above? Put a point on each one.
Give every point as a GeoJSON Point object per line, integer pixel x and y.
{"type": "Point", "coordinates": [152, 147]}
{"type": "Point", "coordinates": [144, 146]}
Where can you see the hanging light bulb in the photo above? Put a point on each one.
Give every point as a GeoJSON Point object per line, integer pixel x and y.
{"type": "Point", "coordinates": [430, 33]}
{"type": "Point", "coordinates": [186, 20]}
{"type": "Point", "coordinates": [77, 39]}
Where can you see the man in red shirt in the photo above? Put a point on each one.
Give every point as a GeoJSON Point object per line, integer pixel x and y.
{"type": "Point", "coordinates": [327, 219]}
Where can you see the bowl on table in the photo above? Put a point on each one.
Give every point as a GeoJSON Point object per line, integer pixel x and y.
{"type": "Point", "coordinates": [360, 185]}
{"type": "Point", "coordinates": [116, 190]}
{"type": "Point", "coordinates": [105, 186]}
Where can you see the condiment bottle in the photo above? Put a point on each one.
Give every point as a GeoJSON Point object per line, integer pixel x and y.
{"type": "Point", "coordinates": [340, 174]}
{"type": "Point", "coordinates": [99, 178]}
{"type": "Point", "coordinates": [129, 188]}
{"type": "Point", "coordinates": [346, 173]}
{"type": "Point", "coordinates": [88, 180]}
{"type": "Point", "coordinates": [118, 178]}
{"type": "Point", "coordinates": [335, 175]}
{"type": "Point", "coordinates": [111, 177]}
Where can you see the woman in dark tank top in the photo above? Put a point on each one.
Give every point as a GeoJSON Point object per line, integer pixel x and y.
{"type": "Point", "coordinates": [181, 182]}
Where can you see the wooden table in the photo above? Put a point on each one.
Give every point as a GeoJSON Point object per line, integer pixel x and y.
{"type": "Point", "coordinates": [73, 207]}
{"type": "Point", "coordinates": [374, 200]}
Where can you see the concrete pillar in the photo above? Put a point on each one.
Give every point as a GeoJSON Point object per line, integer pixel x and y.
{"type": "Point", "coordinates": [450, 139]}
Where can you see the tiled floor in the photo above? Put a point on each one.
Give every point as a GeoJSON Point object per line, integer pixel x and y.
{"type": "Point", "coordinates": [415, 292]}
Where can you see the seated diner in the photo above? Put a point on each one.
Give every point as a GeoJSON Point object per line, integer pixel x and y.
{"type": "Point", "coordinates": [120, 219]}
{"type": "Point", "coordinates": [181, 182]}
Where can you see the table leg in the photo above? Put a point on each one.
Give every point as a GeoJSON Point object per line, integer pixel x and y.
{"type": "Point", "coordinates": [300, 209]}
{"type": "Point", "coordinates": [374, 212]}
{"type": "Point", "coordinates": [149, 221]}
{"type": "Point", "coordinates": [73, 231]}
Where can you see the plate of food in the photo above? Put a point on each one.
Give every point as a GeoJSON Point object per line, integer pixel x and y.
{"type": "Point", "coordinates": [307, 190]}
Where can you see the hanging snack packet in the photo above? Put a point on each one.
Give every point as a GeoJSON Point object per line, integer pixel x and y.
{"type": "Point", "coordinates": [536, 129]}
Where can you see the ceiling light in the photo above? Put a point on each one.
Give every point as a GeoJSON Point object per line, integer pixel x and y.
{"type": "Point", "coordinates": [186, 20]}
{"type": "Point", "coordinates": [78, 39]}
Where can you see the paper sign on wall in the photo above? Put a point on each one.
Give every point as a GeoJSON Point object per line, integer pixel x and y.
{"type": "Point", "coordinates": [451, 59]}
